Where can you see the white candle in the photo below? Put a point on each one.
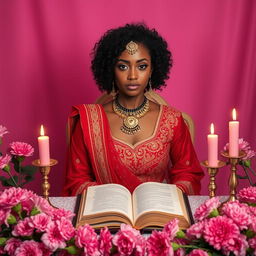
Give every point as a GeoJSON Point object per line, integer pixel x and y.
{"type": "Point", "coordinates": [234, 136]}
{"type": "Point", "coordinates": [212, 148]}
{"type": "Point", "coordinates": [44, 149]}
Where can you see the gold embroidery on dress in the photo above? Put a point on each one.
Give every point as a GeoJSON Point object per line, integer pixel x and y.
{"type": "Point", "coordinates": [153, 154]}
{"type": "Point", "coordinates": [96, 133]}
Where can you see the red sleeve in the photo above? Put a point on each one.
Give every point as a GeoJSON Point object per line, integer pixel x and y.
{"type": "Point", "coordinates": [186, 171]}
{"type": "Point", "coordinates": [79, 173]}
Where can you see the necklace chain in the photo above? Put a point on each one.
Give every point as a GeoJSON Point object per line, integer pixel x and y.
{"type": "Point", "coordinates": [130, 116]}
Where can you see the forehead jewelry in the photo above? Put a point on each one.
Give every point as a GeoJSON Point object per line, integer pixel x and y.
{"type": "Point", "coordinates": [130, 116]}
{"type": "Point", "coordinates": [132, 47]}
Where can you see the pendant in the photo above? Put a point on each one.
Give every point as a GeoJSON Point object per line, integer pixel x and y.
{"type": "Point", "coordinates": [130, 125]}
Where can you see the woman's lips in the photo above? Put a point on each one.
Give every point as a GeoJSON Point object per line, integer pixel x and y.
{"type": "Point", "coordinates": [132, 86]}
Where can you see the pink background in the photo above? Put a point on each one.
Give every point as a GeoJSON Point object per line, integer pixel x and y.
{"type": "Point", "coordinates": [45, 66]}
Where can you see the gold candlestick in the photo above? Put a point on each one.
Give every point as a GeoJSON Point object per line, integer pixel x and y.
{"type": "Point", "coordinates": [45, 171]}
{"type": "Point", "coordinates": [212, 170]}
{"type": "Point", "coordinates": [233, 182]}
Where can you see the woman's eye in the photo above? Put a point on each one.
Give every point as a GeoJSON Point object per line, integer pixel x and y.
{"type": "Point", "coordinates": [143, 66]}
{"type": "Point", "coordinates": [122, 67]}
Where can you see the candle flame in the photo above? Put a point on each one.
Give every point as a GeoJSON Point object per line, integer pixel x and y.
{"type": "Point", "coordinates": [234, 114]}
{"type": "Point", "coordinates": [42, 130]}
{"type": "Point", "coordinates": [212, 128]}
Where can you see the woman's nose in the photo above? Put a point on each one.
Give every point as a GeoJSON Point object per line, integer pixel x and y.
{"type": "Point", "coordinates": [132, 74]}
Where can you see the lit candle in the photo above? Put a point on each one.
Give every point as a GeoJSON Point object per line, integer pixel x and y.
{"type": "Point", "coordinates": [44, 149]}
{"type": "Point", "coordinates": [212, 148]}
{"type": "Point", "coordinates": [234, 136]}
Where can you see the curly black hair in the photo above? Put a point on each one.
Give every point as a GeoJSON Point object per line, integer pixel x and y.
{"type": "Point", "coordinates": [113, 43]}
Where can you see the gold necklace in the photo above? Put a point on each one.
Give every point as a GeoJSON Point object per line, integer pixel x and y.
{"type": "Point", "coordinates": [130, 116]}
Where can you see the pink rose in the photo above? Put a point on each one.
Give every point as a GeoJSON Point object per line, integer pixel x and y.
{"type": "Point", "coordinates": [39, 222]}
{"type": "Point", "coordinates": [3, 131]}
{"type": "Point", "coordinates": [126, 239]}
{"type": "Point", "coordinates": [198, 252]}
{"type": "Point", "coordinates": [239, 213]}
{"type": "Point", "coordinates": [66, 228]}
{"type": "Point", "coordinates": [159, 244]}
{"type": "Point", "coordinates": [4, 161]}
{"type": "Point", "coordinates": [206, 208]}
{"type": "Point", "coordinates": [23, 228]}
{"type": "Point", "coordinates": [219, 230]}
{"type": "Point", "coordinates": [247, 195]}
{"type": "Point", "coordinates": [171, 228]}
{"type": "Point", "coordinates": [236, 245]}
{"type": "Point", "coordinates": [105, 242]}
{"type": "Point", "coordinates": [11, 245]}
{"type": "Point", "coordinates": [196, 230]}
{"type": "Point", "coordinates": [28, 247]}
{"type": "Point", "coordinates": [58, 213]}
{"type": "Point", "coordinates": [86, 238]}
{"type": "Point", "coordinates": [52, 238]}
{"type": "Point", "coordinates": [42, 205]}
{"type": "Point", "coordinates": [12, 196]}
{"type": "Point", "coordinates": [21, 149]}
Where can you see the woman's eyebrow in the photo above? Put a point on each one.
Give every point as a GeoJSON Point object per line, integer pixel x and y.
{"type": "Point", "coordinates": [127, 61]}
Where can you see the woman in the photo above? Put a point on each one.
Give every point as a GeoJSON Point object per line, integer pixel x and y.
{"type": "Point", "coordinates": [130, 139]}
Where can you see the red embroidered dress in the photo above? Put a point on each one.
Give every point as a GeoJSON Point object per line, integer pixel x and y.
{"type": "Point", "coordinates": [166, 156]}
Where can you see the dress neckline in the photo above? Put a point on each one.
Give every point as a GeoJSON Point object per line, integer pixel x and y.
{"type": "Point", "coordinates": [146, 139]}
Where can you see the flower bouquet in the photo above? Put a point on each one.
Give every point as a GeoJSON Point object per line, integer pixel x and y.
{"type": "Point", "coordinates": [245, 162]}
{"type": "Point", "coordinates": [17, 153]}
{"type": "Point", "coordinates": [30, 226]}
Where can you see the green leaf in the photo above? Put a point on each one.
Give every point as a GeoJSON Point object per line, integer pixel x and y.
{"type": "Point", "coordinates": [72, 249]}
{"type": "Point", "coordinates": [241, 177]}
{"type": "Point", "coordinates": [2, 241]}
{"type": "Point", "coordinates": [29, 170]}
{"type": "Point", "coordinates": [11, 219]}
{"type": "Point", "coordinates": [8, 182]}
{"type": "Point", "coordinates": [17, 208]}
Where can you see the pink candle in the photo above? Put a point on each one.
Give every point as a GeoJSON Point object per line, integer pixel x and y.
{"type": "Point", "coordinates": [212, 148]}
{"type": "Point", "coordinates": [234, 136]}
{"type": "Point", "coordinates": [44, 149]}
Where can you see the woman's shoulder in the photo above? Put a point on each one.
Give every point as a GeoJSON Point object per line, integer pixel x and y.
{"type": "Point", "coordinates": [171, 111]}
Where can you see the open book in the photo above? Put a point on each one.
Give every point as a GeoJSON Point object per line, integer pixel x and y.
{"type": "Point", "coordinates": [151, 205]}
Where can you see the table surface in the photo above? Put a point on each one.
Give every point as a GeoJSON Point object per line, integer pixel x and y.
{"type": "Point", "coordinates": [69, 203]}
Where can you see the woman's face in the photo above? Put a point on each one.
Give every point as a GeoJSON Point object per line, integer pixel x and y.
{"type": "Point", "coordinates": [132, 71]}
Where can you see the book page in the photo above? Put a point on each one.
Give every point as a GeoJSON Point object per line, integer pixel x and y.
{"type": "Point", "coordinates": [154, 196]}
{"type": "Point", "coordinates": [108, 197]}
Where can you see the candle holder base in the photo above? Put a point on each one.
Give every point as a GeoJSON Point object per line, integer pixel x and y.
{"type": "Point", "coordinates": [45, 171]}
{"type": "Point", "coordinates": [212, 171]}
{"type": "Point", "coordinates": [233, 182]}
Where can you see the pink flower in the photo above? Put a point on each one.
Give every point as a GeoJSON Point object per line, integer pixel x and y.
{"type": "Point", "coordinates": [206, 208]}
{"type": "Point", "coordinates": [23, 228]}
{"type": "Point", "coordinates": [247, 195]}
{"type": "Point", "coordinates": [252, 243]}
{"type": "Point", "coordinates": [243, 145]}
{"type": "Point", "coordinates": [42, 205]}
{"type": "Point", "coordinates": [196, 230]}
{"type": "Point", "coordinates": [12, 196]}
{"type": "Point", "coordinates": [3, 131]}
{"type": "Point", "coordinates": [11, 245]}
{"type": "Point", "coordinates": [52, 238]}
{"type": "Point", "coordinates": [198, 252]}
{"type": "Point", "coordinates": [66, 228]}
{"type": "Point", "coordinates": [58, 213]}
{"type": "Point", "coordinates": [220, 231]}
{"type": "Point", "coordinates": [237, 246]}
{"type": "Point", "coordinates": [86, 238]}
{"type": "Point", "coordinates": [29, 247]}
{"type": "Point", "coordinates": [140, 246]}
{"type": "Point", "coordinates": [39, 222]}
{"type": "Point", "coordinates": [105, 242]}
{"type": "Point", "coordinates": [21, 149]}
{"type": "Point", "coordinates": [4, 160]}
{"type": "Point", "coordinates": [126, 239]}
{"type": "Point", "coordinates": [4, 214]}
{"type": "Point", "coordinates": [171, 228]}
{"type": "Point", "coordinates": [159, 244]}
{"type": "Point", "coordinates": [239, 213]}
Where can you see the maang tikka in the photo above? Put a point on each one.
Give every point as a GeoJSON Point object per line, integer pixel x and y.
{"type": "Point", "coordinates": [132, 47]}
